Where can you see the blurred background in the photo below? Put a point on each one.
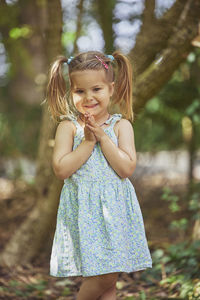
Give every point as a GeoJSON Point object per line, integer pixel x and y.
{"type": "Point", "coordinates": [162, 40]}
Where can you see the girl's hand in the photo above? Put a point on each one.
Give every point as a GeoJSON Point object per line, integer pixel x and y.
{"type": "Point", "coordinates": [89, 135]}
{"type": "Point", "coordinates": [95, 128]}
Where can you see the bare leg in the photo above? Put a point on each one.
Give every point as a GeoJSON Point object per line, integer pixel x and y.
{"type": "Point", "coordinates": [110, 294]}
{"type": "Point", "coordinates": [94, 287]}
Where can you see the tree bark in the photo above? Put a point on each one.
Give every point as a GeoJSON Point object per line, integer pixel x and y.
{"type": "Point", "coordinates": [26, 54]}
{"type": "Point", "coordinates": [30, 237]}
{"type": "Point", "coordinates": [79, 24]}
{"type": "Point", "coordinates": [105, 17]}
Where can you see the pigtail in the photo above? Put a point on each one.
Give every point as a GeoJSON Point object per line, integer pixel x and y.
{"type": "Point", "coordinates": [123, 86]}
{"type": "Point", "coordinates": [56, 90]}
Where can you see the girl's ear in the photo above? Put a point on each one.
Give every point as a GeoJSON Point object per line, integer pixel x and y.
{"type": "Point", "coordinates": [112, 87]}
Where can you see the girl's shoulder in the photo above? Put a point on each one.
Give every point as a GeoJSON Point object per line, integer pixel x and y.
{"type": "Point", "coordinates": [123, 122]}
{"type": "Point", "coordinates": [70, 120]}
{"type": "Point", "coordinates": [67, 126]}
{"type": "Point", "coordinates": [121, 125]}
{"type": "Point", "coordinates": [116, 119]}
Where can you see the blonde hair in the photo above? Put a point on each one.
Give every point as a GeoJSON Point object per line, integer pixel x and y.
{"type": "Point", "coordinates": [59, 101]}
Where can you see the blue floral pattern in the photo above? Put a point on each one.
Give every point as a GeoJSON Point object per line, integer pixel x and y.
{"type": "Point", "coordinates": [99, 225]}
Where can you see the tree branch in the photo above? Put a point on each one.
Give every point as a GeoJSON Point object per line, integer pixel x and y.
{"type": "Point", "coordinates": [105, 14]}
{"type": "Point", "coordinates": [179, 45]}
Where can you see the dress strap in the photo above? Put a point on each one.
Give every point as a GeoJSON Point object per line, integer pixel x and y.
{"type": "Point", "coordinates": [113, 119]}
{"type": "Point", "coordinates": [71, 118]}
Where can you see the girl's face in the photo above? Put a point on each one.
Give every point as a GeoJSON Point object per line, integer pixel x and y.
{"type": "Point", "coordinates": [91, 91]}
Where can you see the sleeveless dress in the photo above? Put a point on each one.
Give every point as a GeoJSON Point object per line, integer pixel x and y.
{"type": "Point", "coordinates": [99, 225]}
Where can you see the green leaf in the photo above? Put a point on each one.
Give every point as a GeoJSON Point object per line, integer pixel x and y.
{"type": "Point", "coordinates": [14, 283]}
{"type": "Point", "coordinates": [196, 118]}
{"type": "Point", "coordinates": [174, 207]}
{"type": "Point", "coordinates": [66, 291]}
{"type": "Point", "coordinates": [193, 107]}
{"type": "Point", "coordinates": [68, 37]}
{"type": "Point", "coordinates": [18, 32]}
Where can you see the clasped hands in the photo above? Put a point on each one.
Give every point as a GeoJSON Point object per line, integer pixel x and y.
{"type": "Point", "coordinates": [93, 132]}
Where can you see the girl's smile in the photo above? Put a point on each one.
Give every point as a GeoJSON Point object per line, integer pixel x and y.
{"type": "Point", "coordinates": [91, 92]}
{"type": "Point", "coordinates": [92, 106]}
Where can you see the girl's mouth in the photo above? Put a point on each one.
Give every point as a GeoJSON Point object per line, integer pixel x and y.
{"type": "Point", "coordinates": [92, 106]}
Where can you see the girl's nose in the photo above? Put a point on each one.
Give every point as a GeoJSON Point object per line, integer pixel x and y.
{"type": "Point", "coordinates": [88, 96]}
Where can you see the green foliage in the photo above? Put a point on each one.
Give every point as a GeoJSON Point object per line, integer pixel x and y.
{"type": "Point", "coordinates": [14, 283]}
{"type": "Point", "coordinates": [27, 290]}
{"type": "Point", "coordinates": [181, 264]}
{"type": "Point", "coordinates": [159, 125]}
{"type": "Point", "coordinates": [181, 224]}
{"type": "Point", "coordinates": [171, 198]}
{"type": "Point", "coordinates": [177, 266]}
{"type": "Point", "coordinates": [40, 286]}
{"type": "Point", "coordinates": [193, 111]}
{"type": "Point", "coordinates": [19, 132]}
{"type": "Point", "coordinates": [194, 205]}
{"type": "Point", "coordinates": [185, 256]}
{"type": "Point", "coordinates": [141, 296]}
{"type": "Point", "coordinates": [20, 32]}
{"type": "Point", "coordinates": [66, 291]}
{"type": "Point", "coordinates": [68, 37]}
{"type": "Point", "coordinates": [194, 294]}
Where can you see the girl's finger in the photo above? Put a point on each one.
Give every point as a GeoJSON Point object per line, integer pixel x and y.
{"type": "Point", "coordinates": [90, 121]}
{"type": "Point", "coordinates": [89, 126]}
{"type": "Point", "coordinates": [91, 118]}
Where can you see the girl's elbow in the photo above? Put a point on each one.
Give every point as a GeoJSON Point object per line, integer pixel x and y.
{"type": "Point", "coordinates": [129, 170]}
{"type": "Point", "coordinates": [59, 172]}
{"type": "Point", "coordinates": [61, 175]}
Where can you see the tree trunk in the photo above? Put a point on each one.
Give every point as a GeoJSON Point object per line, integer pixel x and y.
{"type": "Point", "coordinates": [105, 17]}
{"type": "Point", "coordinates": [30, 237]}
{"type": "Point", "coordinates": [78, 25]}
{"type": "Point", "coordinates": [26, 54]}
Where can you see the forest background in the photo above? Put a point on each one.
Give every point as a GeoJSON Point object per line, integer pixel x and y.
{"type": "Point", "coordinates": [162, 40]}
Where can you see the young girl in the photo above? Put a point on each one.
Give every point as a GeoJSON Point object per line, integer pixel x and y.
{"type": "Point", "coordinates": [100, 230]}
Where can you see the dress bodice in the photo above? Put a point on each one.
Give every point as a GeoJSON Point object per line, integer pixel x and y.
{"type": "Point", "coordinates": [97, 166]}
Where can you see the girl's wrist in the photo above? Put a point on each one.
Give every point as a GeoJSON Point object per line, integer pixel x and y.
{"type": "Point", "coordinates": [92, 143]}
{"type": "Point", "coordinates": [103, 137]}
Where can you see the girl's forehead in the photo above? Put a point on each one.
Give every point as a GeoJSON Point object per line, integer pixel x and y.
{"type": "Point", "coordinates": [88, 78]}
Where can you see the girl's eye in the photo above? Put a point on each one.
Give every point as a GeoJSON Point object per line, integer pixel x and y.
{"type": "Point", "coordinates": [79, 91]}
{"type": "Point", "coordinates": [96, 89]}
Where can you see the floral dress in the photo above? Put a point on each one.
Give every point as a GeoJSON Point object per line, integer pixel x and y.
{"type": "Point", "coordinates": [99, 225]}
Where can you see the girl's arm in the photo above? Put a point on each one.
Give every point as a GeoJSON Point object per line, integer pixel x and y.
{"type": "Point", "coordinates": [65, 161]}
{"type": "Point", "coordinates": [122, 158]}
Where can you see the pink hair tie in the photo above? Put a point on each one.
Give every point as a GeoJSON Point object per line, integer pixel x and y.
{"type": "Point", "coordinates": [105, 65]}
